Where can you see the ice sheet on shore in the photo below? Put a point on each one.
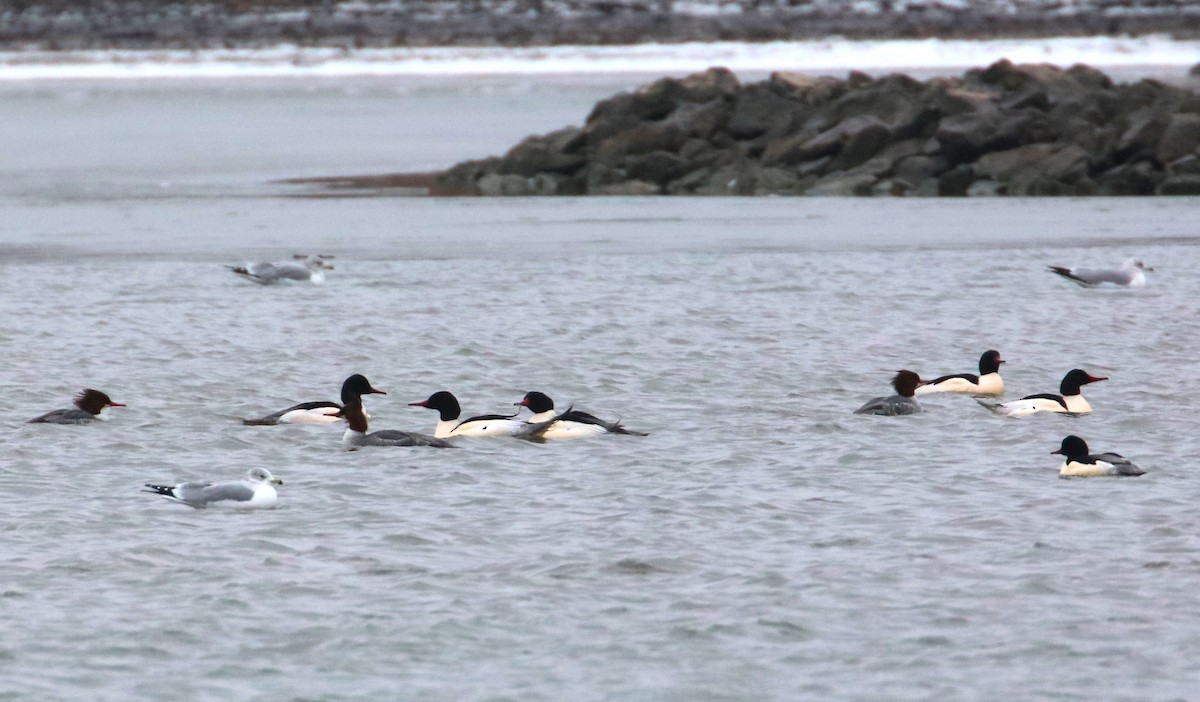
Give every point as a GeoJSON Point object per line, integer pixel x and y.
{"type": "Point", "coordinates": [807, 56]}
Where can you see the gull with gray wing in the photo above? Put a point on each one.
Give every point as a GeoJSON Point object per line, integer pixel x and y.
{"type": "Point", "coordinates": [255, 491]}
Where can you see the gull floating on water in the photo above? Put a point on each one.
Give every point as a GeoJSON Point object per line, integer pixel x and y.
{"type": "Point", "coordinates": [89, 403]}
{"type": "Point", "coordinates": [905, 383]}
{"type": "Point", "coordinates": [255, 491]}
{"type": "Point", "coordinates": [1129, 275]}
{"type": "Point", "coordinates": [1082, 465]}
{"type": "Point", "coordinates": [310, 268]}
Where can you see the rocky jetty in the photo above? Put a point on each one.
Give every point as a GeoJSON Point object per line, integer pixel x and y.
{"type": "Point", "coordinates": [1002, 130]}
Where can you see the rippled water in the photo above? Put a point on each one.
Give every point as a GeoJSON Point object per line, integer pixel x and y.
{"type": "Point", "coordinates": [761, 543]}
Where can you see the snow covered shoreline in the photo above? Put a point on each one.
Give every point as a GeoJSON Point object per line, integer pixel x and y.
{"type": "Point", "coordinates": [652, 59]}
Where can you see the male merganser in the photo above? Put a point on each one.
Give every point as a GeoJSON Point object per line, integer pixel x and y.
{"type": "Point", "coordinates": [1070, 400]}
{"type": "Point", "coordinates": [303, 413]}
{"type": "Point", "coordinates": [449, 423]}
{"type": "Point", "coordinates": [90, 404]}
{"type": "Point", "coordinates": [1082, 465]}
{"type": "Point", "coordinates": [1129, 275]}
{"type": "Point", "coordinates": [311, 268]}
{"type": "Point", "coordinates": [905, 383]}
{"type": "Point", "coordinates": [317, 412]}
{"type": "Point", "coordinates": [352, 411]}
{"type": "Point", "coordinates": [571, 424]}
{"type": "Point", "coordinates": [252, 492]}
{"type": "Point", "coordinates": [988, 382]}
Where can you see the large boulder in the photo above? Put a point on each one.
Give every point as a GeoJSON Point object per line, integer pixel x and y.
{"type": "Point", "coordinates": [965, 136]}
{"type": "Point", "coordinates": [1180, 137]}
{"type": "Point", "coordinates": [1180, 184]}
{"type": "Point", "coordinates": [759, 110]}
{"type": "Point", "coordinates": [641, 139]}
{"type": "Point", "coordinates": [543, 154]}
{"type": "Point", "coordinates": [657, 167]}
{"type": "Point", "coordinates": [852, 141]}
{"type": "Point", "coordinates": [1020, 168]}
{"type": "Point", "coordinates": [1141, 138]}
{"type": "Point", "coordinates": [701, 120]}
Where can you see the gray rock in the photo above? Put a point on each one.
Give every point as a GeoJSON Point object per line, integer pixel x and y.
{"type": "Point", "coordinates": [657, 167]}
{"type": "Point", "coordinates": [463, 178]}
{"type": "Point", "coordinates": [641, 139]}
{"type": "Point", "coordinates": [967, 135]}
{"type": "Point", "coordinates": [777, 181]}
{"type": "Point", "coordinates": [629, 188]}
{"type": "Point", "coordinates": [1028, 168]}
{"type": "Point", "coordinates": [807, 89]}
{"type": "Point", "coordinates": [864, 136]}
{"type": "Point", "coordinates": [495, 184]}
{"type": "Point", "coordinates": [956, 181]}
{"type": "Point", "coordinates": [1130, 179]}
{"type": "Point", "coordinates": [918, 168]}
{"type": "Point", "coordinates": [1187, 164]}
{"type": "Point", "coordinates": [844, 184]}
{"type": "Point", "coordinates": [1180, 184]}
{"type": "Point", "coordinates": [541, 154]}
{"type": "Point", "coordinates": [986, 188]}
{"type": "Point", "coordinates": [1141, 137]}
{"type": "Point", "coordinates": [701, 120]}
{"type": "Point", "coordinates": [707, 85]}
{"type": "Point", "coordinates": [759, 110]}
{"type": "Point", "coordinates": [1180, 137]}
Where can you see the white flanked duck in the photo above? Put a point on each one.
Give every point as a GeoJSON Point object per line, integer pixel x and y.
{"type": "Point", "coordinates": [988, 382]}
{"type": "Point", "coordinates": [1081, 464]}
{"type": "Point", "coordinates": [319, 412]}
{"type": "Point", "coordinates": [451, 424]}
{"type": "Point", "coordinates": [1069, 400]}
{"type": "Point", "coordinates": [571, 424]}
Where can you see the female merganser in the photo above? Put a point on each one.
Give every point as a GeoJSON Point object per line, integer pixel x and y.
{"type": "Point", "coordinates": [317, 412]}
{"type": "Point", "coordinates": [483, 425]}
{"type": "Point", "coordinates": [311, 268]}
{"type": "Point", "coordinates": [1129, 275]}
{"type": "Point", "coordinates": [90, 404]}
{"type": "Point", "coordinates": [252, 492]}
{"type": "Point", "coordinates": [1082, 465]}
{"type": "Point", "coordinates": [1069, 401]}
{"type": "Point", "coordinates": [352, 410]}
{"type": "Point", "coordinates": [905, 382]}
{"type": "Point", "coordinates": [571, 424]}
{"type": "Point", "coordinates": [988, 382]}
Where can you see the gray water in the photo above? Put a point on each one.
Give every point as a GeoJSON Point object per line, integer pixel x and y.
{"type": "Point", "coordinates": [762, 542]}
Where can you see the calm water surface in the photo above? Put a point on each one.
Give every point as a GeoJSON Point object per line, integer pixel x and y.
{"type": "Point", "coordinates": [761, 543]}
